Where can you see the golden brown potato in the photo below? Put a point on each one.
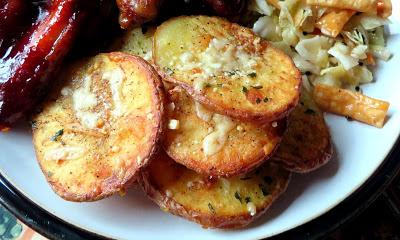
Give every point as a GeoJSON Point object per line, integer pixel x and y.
{"type": "Point", "coordinates": [213, 144]}
{"type": "Point", "coordinates": [306, 144]}
{"type": "Point", "coordinates": [213, 202]}
{"type": "Point", "coordinates": [227, 68]}
{"type": "Point", "coordinates": [100, 127]}
{"type": "Point", "coordinates": [136, 41]}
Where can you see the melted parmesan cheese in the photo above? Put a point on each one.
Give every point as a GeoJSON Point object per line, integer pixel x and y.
{"type": "Point", "coordinates": [214, 141]}
{"type": "Point", "coordinates": [221, 57]}
{"type": "Point", "coordinates": [64, 153]}
{"type": "Point", "coordinates": [115, 78]}
{"type": "Point", "coordinates": [203, 113]}
{"type": "Point", "coordinates": [83, 100]}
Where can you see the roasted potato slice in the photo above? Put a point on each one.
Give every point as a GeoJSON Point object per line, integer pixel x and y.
{"type": "Point", "coordinates": [213, 202]}
{"type": "Point", "coordinates": [136, 41]}
{"type": "Point", "coordinates": [306, 144]}
{"type": "Point", "coordinates": [227, 68]}
{"type": "Point", "coordinates": [100, 127]}
{"type": "Point", "coordinates": [213, 144]}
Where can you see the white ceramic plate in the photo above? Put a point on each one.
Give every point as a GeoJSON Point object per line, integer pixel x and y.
{"type": "Point", "coordinates": [360, 151]}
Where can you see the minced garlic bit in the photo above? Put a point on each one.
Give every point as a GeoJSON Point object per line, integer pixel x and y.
{"type": "Point", "coordinates": [251, 208]}
{"type": "Point", "coordinates": [115, 149]}
{"type": "Point", "coordinates": [139, 160]}
{"type": "Point", "coordinates": [240, 128]}
{"type": "Point", "coordinates": [168, 193]}
{"type": "Point", "coordinates": [173, 124]}
{"type": "Point", "coordinates": [274, 124]}
{"type": "Point", "coordinates": [171, 107]}
{"type": "Point", "coordinates": [190, 184]}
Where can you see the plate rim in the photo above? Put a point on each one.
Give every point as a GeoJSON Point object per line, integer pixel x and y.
{"type": "Point", "coordinates": [53, 227]}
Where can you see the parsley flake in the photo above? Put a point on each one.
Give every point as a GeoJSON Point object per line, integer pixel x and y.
{"type": "Point", "coordinates": [210, 206]}
{"type": "Point", "coordinates": [58, 134]}
{"type": "Point", "coordinates": [238, 197]}
{"type": "Point", "coordinates": [252, 75]}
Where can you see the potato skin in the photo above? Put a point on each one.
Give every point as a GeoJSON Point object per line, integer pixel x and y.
{"type": "Point", "coordinates": [247, 144]}
{"type": "Point", "coordinates": [276, 72]}
{"type": "Point", "coordinates": [114, 151]}
{"type": "Point", "coordinates": [163, 175]}
{"type": "Point", "coordinates": [306, 145]}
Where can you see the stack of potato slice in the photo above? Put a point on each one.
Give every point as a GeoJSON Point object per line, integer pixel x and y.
{"type": "Point", "coordinates": [230, 120]}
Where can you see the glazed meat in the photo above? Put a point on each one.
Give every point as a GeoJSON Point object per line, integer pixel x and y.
{"type": "Point", "coordinates": [226, 8]}
{"type": "Point", "coordinates": [134, 12]}
{"type": "Point", "coordinates": [26, 66]}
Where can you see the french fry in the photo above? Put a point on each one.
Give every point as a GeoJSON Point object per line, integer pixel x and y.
{"type": "Point", "coordinates": [351, 104]}
{"type": "Point", "coordinates": [381, 8]}
{"type": "Point", "coordinates": [331, 23]}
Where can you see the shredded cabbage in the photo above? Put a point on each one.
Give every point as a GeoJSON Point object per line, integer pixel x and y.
{"type": "Point", "coordinates": [371, 22]}
{"type": "Point", "coordinates": [380, 52]}
{"type": "Point", "coordinates": [262, 7]}
{"type": "Point", "coordinates": [331, 61]}
{"type": "Point", "coordinates": [267, 28]}
{"type": "Point", "coordinates": [304, 65]}
{"type": "Point", "coordinates": [343, 55]}
{"type": "Point", "coordinates": [315, 50]}
{"type": "Point", "coordinates": [359, 52]}
{"type": "Point", "coordinates": [340, 77]}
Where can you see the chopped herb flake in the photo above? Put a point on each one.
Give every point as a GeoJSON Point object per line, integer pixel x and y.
{"type": "Point", "coordinates": [33, 124]}
{"type": "Point", "coordinates": [238, 197]}
{"type": "Point", "coordinates": [258, 100]}
{"type": "Point", "coordinates": [257, 87]}
{"type": "Point", "coordinates": [210, 206]}
{"type": "Point", "coordinates": [266, 99]}
{"type": "Point", "coordinates": [245, 178]}
{"type": "Point", "coordinates": [208, 85]}
{"type": "Point", "coordinates": [58, 134]}
{"type": "Point", "coordinates": [244, 89]}
{"type": "Point", "coordinates": [49, 173]}
{"type": "Point", "coordinates": [168, 70]}
{"type": "Point", "coordinates": [309, 111]}
{"type": "Point", "coordinates": [247, 199]}
{"type": "Point", "coordinates": [264, 189]}
{"type": "Point", "coordinates": [231, 73]}
{"type": "Point", "coordinates": [252, 75]}
{"type": "Point", "coordinates": [268, 180]}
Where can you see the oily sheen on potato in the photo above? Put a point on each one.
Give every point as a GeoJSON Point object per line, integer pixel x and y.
{"type": "Point", "coordinates": [213, 144]}
{"type": "Point", "coordinates": [227, 68]}
{"type": "Point", "coordinates": [307, 144]}
{"type": "Point", "coordinates": [100, 127]}
{"type": "Point", "coordinates": [213, 202]}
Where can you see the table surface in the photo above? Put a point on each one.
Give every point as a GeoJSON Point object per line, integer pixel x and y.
{"type": "Point", "coordinates": [380, 221]}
